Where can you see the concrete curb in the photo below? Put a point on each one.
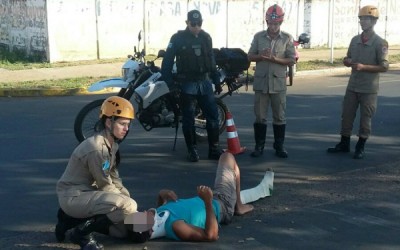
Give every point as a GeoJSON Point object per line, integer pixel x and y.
{"type": "Point", "coordinates": [15, 92]}
{"type": "Point", "coordinates": [51, 92]}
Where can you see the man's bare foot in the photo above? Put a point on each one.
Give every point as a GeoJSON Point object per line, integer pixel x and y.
{"type": "Point", "coordinates": [243, 209]}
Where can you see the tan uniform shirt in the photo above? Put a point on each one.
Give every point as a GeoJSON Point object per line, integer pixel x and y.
{"type": "Point", "coordinates": [373, 52]}
{"type": "Point", "coordinates": [92, 166]}
{"type": "Point", "coordinates": [270, 77]}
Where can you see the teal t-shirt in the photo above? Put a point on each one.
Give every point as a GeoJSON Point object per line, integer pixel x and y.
{"type": "Point", "coordinates": [191, 210]}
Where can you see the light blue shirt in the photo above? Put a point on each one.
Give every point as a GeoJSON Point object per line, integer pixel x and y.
{"type": "Point", "coordinates": [191, 210]}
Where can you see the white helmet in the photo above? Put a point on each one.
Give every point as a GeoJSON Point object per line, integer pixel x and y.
{"type": "Point", "coordinates": [129, 69]}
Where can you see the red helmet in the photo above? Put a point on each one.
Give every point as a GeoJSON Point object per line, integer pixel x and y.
{"type": "Point", "coordinates": [274, 13]}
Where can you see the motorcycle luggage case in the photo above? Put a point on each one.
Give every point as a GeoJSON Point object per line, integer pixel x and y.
{"type": "Point", "coordinates": [232, 60]}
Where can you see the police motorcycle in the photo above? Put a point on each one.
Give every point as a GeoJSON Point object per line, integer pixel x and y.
{"type": "Point", "coordinates": [157, 105]}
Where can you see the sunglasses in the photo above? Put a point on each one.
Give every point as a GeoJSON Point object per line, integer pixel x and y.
{"type": "Point", "coordinates": [194, 24]}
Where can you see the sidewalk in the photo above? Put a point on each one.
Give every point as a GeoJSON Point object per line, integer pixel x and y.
{"type": "Point", "coordinates": [114, 69]}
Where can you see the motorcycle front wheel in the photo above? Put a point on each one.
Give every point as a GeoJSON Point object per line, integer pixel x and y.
{"type": "Point", "coordinates": [87, 121]}
{"type": "Point", "coordinates": [200, 121]}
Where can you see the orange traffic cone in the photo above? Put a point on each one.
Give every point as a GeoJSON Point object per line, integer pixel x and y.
{"type": "Point", "coordinates": [232, 136]}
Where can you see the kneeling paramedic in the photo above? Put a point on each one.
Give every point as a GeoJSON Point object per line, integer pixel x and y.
{"type": "Point", "coordinates": [90, 192]}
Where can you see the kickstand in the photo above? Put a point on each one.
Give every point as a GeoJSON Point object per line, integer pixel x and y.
{"type": "Point", "coordinates": [176, 135]}
{"type": "Point", "coordinates": [247, 80]}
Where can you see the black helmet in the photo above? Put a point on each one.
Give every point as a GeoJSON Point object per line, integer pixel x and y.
{"type": "Point", "coordinates": [304, 38]}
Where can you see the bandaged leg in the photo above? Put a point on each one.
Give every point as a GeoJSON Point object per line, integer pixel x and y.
{"type": "Point", "coordinates": [260, 191]}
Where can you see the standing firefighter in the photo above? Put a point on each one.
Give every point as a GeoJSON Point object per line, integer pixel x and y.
{"type": "Point", "coordinates": [195, 62]}
{"type": "Point", "coordinates": [273, 51]}
{"type": "Point", "coordinates": [367, 56]}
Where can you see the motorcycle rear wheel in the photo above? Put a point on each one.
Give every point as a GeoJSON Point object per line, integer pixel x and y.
{"type": "Point", "coordinates": [201, 131]}
{"type": "Point", "coordinates": [87, 120]}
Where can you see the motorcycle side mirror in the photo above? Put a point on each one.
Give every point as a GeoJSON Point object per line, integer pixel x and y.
{"type": "Point", "coordinates": [140, 36]}
{"type": "Point", "coordinates": [161, 53]}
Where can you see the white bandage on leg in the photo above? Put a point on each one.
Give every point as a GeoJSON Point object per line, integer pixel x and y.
{"type": "Point", "coordinates": [260, 191]}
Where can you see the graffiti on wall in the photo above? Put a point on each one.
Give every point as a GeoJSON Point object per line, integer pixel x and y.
{"type": "Point", "coordinates": [23, 25]}
{"type": "Point", "coordinates": [171, 8]}
{"type": "Point", "coordinates": [345, 19]}
{"type": "Point", "coordinates": [231, 23]}
{"type": "Point", "coordinates": [211, 8]}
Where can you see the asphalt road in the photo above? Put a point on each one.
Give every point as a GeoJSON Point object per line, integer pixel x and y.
{"type": "Point", "coordinates": [320, 201]}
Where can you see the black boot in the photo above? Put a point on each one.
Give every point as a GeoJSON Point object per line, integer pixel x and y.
{"type": "Point", "coordinates": [343, 146]}
{"type": "Point", "coordinates": [260, 132]}
{"type": "Point", "coordinates": [279, 137]}
{"type": "Point", "coordinates": [82, 234]}
{"type": "Point", "coordinates": [214, 151]}
{"type": "Point", "coordinates": [190, 139]}
{"type": "Point", "coordinates": [359, 153]}
{"type": "Point", "coordinates": [65, 223]}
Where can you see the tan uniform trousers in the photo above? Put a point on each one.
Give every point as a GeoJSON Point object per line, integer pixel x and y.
{"type": "Point", "coordinates": [90, 203]}
{"type": "Point", "coordinates": [278, 105]}
{"type": "Point", "coordinates": [352, 100]}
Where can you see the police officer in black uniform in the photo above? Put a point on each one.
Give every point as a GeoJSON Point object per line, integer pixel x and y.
{"type": "Point", "coordinates": [196, 70]}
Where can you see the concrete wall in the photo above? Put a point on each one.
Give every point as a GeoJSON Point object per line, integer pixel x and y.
{"type": "Point", "coordinates": [90, 29]}
{"type": "Point", "coordinates": [23, 26]}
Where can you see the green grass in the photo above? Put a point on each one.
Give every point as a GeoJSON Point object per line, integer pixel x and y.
{"type": "Point", "coordinates": [20, 65]}
{"type": "Point", "coordinates": [71, 83]}
{"type": "Point", "coordinates": [318, 64]}
{"type": "Point", "coordinates": [14, 62]}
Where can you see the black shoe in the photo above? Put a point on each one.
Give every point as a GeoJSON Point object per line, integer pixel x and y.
{"type": "Point", "coordinates": [280, 151]}
{"type": "Point", "coordinates": [65, 223]}
{"type": "Point", "coordinates": [281, 154]}
{"type": "Point", "coordinates": [342, 147]}
{"type": "Point", "coordinates": [257, 152]}
{"type": "Point", "coordinates": [215, 153]}
{"type": "Point", "coordinates": [83, 234]}
{"type": "Point", "coordinates": [86, 242]}
{"type": "Point", "coordinates": [339, 148]}
{"type": "Point", "coordinates": [193, 156]}
{"type": "Point", "coordinates": [359, 154]}
{"type": "Point", "coordinates": [60, 232]}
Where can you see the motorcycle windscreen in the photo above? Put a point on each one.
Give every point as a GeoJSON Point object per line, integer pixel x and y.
{"type": "Point", "coordinates": [108, 83]}
{"type": "Point", "coordinates": [151, 91]}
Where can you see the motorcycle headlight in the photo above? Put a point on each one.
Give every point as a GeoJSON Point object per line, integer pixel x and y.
{"type": "Point", "coordinates": [125, 74]}
{"type": "Point", "coordinates": [137, 98]}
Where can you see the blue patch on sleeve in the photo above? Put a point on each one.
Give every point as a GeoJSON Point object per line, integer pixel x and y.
{"type": "Point", "coordinates": [106, 168]}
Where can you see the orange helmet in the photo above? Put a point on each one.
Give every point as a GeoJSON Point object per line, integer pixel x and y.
{"type": "Point", "coordinates": [274, 13]}
{"type": "Point", "coordinates": [117, 106]}
{"type": "Point", "coordinates": [369, 10]}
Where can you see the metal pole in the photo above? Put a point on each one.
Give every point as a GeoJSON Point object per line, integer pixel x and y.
{"type": "Point", "coordinates": [331, 26]}
{"type": "Point", "coordinates": [97, 13]}
{"type": "Point", "coordinates": [145, 30]}
{"type": "Point", "coordinates": [386, 18]}
{"type": "Point", "coordinates": [297, 21]}
{"type": "Point", "coordinates": [226, 27]}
